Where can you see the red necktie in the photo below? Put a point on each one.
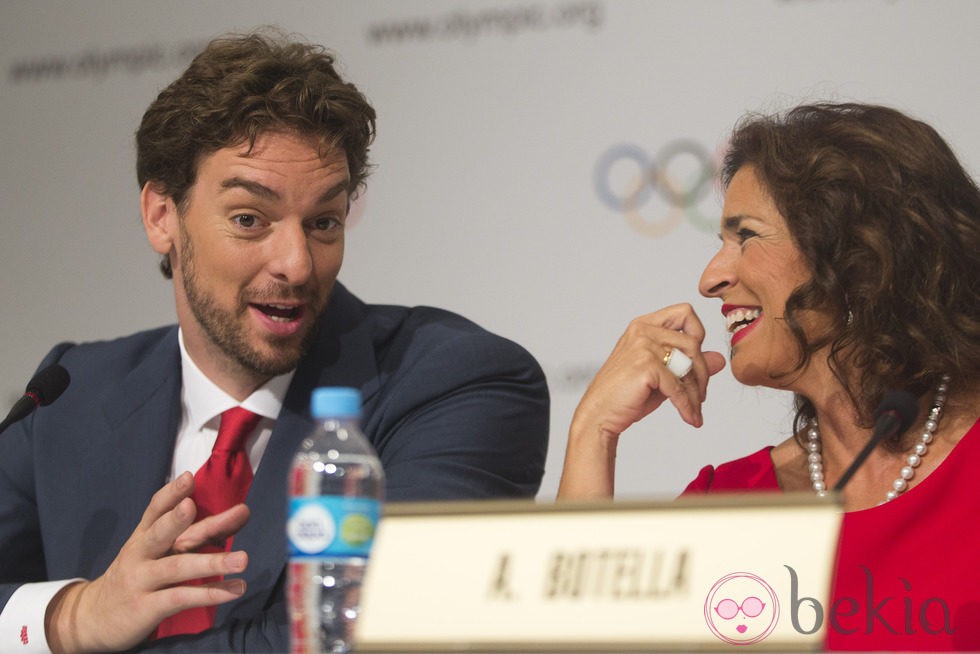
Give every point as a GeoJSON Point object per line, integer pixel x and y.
{"type": "Point", "coordinates": [221, 483]}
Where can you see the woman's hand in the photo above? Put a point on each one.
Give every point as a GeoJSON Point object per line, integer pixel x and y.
{"type": "Point", "coordinates": [631, 384]}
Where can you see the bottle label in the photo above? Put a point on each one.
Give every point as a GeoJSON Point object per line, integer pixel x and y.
{"type": "Point", "coordinates": [331, 526]}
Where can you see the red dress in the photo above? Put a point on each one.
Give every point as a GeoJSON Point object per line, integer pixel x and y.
{"type": "Point", "coordinates": [908, 572]}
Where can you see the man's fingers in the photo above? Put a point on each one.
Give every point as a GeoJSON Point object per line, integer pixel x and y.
{"type": "Point", "coordinates": [167, 498]}
{"type": "Point", "coordinates": [157, 539]}
{"type": "Point", "coordinates": [148, 580]}
{"type": "Point", "coordinates": [169, 513]}
{"type": "Point", "coordinates": [180, 568]}
{"type": "Point", "coordinates": [176, 599]}
{"type": "Point", "coordinates": [213, 530]}
{"type": "Point", "coordinates": [167, 602]}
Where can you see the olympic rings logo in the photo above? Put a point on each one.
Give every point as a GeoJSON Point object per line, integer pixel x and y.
{"type": "Point", "coordinates": [678, 179]}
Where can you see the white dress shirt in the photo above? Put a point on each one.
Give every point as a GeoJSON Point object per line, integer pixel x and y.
{"type": "Point", "coordinates": [202, 404]}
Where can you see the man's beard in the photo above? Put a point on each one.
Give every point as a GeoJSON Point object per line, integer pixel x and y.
{"type": "Point", "coordinates": [226, 329]}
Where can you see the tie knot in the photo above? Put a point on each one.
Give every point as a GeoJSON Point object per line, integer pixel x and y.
{"type": "Point", "coordinates": [236, 424]}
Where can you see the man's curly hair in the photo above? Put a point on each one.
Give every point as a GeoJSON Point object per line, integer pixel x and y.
{"type": "Point", "coordinates": [239, 87]}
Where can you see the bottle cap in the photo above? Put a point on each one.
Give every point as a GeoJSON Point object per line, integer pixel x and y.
{"type": "Point", "coordinates": [335, 402]}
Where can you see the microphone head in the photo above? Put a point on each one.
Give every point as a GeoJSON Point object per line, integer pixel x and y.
{"type": "Point", "coordinates": [902, 405]}
{"type": "Point", "coordinates": [48, 384]}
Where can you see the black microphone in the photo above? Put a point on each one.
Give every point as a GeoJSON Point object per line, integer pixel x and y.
{"type": "Point", "coordinates": [893, 416]}
{"type": "Point", "coordinates": [44, 388]}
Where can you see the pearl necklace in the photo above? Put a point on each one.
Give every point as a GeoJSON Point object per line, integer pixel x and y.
{"type": "Point", "coordinates": [912, 461]}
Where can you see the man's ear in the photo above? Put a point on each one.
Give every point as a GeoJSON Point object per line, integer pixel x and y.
{"type": "Point", "coordinates": [160, 218]}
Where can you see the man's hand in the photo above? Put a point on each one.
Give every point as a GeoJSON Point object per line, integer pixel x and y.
{"type": "Point", "coordinates": [143, 585]}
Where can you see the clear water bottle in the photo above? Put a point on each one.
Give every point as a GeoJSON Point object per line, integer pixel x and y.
{"type": "Point", "coordinates": [336, 489]}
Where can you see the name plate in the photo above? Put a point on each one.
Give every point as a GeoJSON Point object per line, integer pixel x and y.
{"type": "Point", "coordinates": [702, 572]}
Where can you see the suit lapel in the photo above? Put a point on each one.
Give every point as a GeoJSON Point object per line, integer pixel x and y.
{"type": "Point", "coordinates": [142, 413]}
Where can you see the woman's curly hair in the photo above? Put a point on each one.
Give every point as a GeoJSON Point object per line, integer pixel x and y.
{"type": "Point", "coordinates": [888, 222]}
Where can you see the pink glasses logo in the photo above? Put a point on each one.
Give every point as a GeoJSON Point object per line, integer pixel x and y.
{"type": "Point", "coordinates": [741, 609]}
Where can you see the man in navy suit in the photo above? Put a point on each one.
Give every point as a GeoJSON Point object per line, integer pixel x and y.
{"type": "Point", "coordinates": [248, 164]}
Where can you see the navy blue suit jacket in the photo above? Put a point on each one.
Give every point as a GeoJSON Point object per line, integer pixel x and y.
{"type": "Point", "coordinates": [453, 411]}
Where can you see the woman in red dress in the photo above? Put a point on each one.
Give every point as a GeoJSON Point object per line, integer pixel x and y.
{"type": "Point", "coordinates": [849, 266]}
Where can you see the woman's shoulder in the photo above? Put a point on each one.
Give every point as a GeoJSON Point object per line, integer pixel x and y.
{"type": "Point", "coordinates": [754, 472]}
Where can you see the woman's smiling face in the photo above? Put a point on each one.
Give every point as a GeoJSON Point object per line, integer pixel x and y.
{"type": "Point", "coordinates": [754, 272]}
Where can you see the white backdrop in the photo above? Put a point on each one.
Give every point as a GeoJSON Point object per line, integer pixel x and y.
{"type": "Point", "coordinates": [512, 140]}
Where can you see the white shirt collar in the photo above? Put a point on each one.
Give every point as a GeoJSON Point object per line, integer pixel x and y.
{"type": "Point", "coordinates": [203, 401]}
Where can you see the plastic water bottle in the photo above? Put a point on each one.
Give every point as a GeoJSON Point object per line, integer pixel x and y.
{"type": "Point", "coordinates": [336, 489]}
